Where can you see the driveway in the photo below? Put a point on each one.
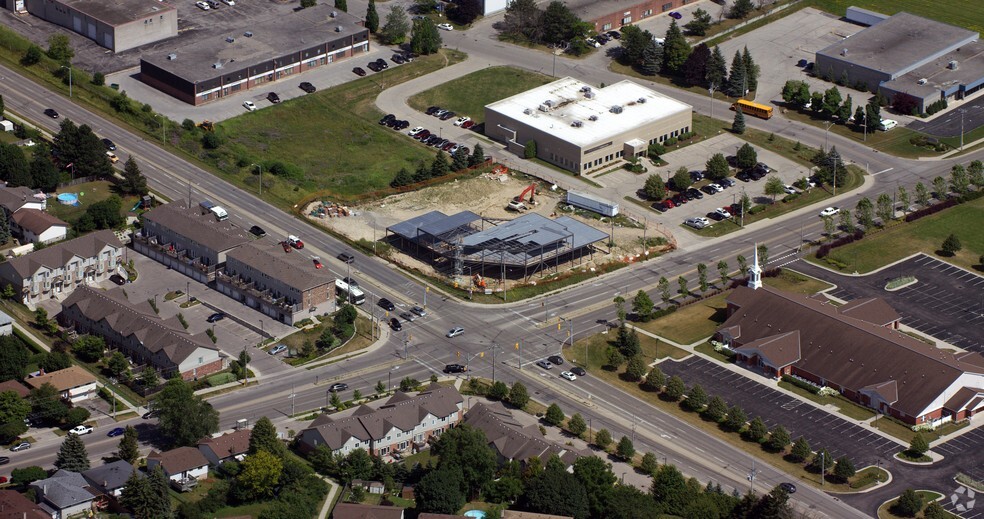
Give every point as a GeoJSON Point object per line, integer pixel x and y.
{"type": "Point", "coordinates": [947, 302]}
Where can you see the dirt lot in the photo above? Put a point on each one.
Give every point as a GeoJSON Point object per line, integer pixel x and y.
{"type": "Point", "coordinates": [482, 195]}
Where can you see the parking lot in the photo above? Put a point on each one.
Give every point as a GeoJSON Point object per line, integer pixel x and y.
{"type": "Point", "coordinates": [969, 444]}
{"type": "Point", "coordinates": [821, 428]}
{"type": "Point", "coordinates": [946, 303]}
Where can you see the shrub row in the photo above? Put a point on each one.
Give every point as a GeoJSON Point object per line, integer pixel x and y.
{"type": "Point", "coordinates": [825, 249]}
{"type": "Point", "coordinates": [933, 209]}
{"type": "Point", "coordinates": [802, 384]}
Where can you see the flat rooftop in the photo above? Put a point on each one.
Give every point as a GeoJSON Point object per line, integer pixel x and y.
{"type": "Point", "coordinates": [200, 228]}
{"type": "Point", "coordinates": [969, 72]}
{"type": "Point", "coordinates": [293, 269]}
{"type": "Point", "coordinates": [895, 44]}
{"type": "Point", "coordinates": [273, 37]}
{"type": "Point", "coordinates": [572, 101]}
{"type": "Point", "coordinates": [589, 10]}
{"type": "Point", "coordinates": [118, 12]}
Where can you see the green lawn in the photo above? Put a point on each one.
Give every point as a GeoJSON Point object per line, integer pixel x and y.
{"type": "Point", "coordinates": [469, 94]}
{"type": "Point", "coordinates": [923, 235]}
{"type": "Point", "coordinates": [295, 341]}
{"type": "Point", "coordinates": [330, 138]}
{"type": "Point", "coordinates": [893, 142]}
{"type": "Point", "coordinates": [844, 406]}
{"type": "Point", "coordinates": [89, 193]}
{"type": "Point", "coordinates": [690, 323]}
{"type": "Point", "coordinates": [955, 12]}
{"type": "Point", "coordinates": [792, 281]}
{"type": "Point", "coordinates": [927, 497]}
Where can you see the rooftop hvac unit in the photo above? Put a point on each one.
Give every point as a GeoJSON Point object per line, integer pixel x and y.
{"type": "Point", "coordinates": [585, 88]}
{"type": "Point", "coordinates": [641, 100]}
{"type": "Point", "coordinates": [844, 52]}
{"type": "Point", "coordinates": [952, 65]}
{"type": "Point", "coordinates": [577, 124]}
{"type": "Point", "coordinates": [338, 28]}
{"type": "Point", "coordinates": [248, 34]}
{"type": "Point", "coordinates": [527, 111]}
{"type": "Point", "coordinates": [548, 102]}
{"type": "Point", "coordinates": [589, 95]}
{"type": "Point", "coordinates": [172, 56]}
{"type": "Point", "coordinates": [230, 39]}
{"type": "Point", "coordinates": [616, 109]}
{"type": "Point", "coordinates": [593, 118]}
{"type": "Point", "coordinates": [334, 14]}
{"type": "Point", "coordinates": [543, 108]}
{"type": "Point", "coordinates": [921, 81]}
{"type": "Point", "coordinates": [217, 64]}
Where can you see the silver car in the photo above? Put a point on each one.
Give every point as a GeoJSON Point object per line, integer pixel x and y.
{"type": "Point", "coordinates": [22, 446]}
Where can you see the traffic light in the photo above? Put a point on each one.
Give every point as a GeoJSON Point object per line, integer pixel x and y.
{"type": "Point", "coordinates": [481, 355]}
{"type": "Point", "coordinates": [457, 354]}
{"type": "Point", "coordinates": [517, 345]}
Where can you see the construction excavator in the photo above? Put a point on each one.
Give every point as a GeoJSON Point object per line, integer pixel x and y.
{"type": "Point", "coordinates": [517, 203]}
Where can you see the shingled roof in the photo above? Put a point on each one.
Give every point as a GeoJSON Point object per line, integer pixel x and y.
{"type": "Point", "coordinates": [13, 505]}
{"type": "Point", "coordinates": [36, 221]}
{"type": "Point", "coordinates": [229, 444]}
{"type": "Point", "coordinates": [871, 309]}
{"type": "Point", "coordinates": [197, 227]}
{"type": "Point", "coordinates": [64, 489]}
{"type": "Point", "coordinates": [58, 255]}
{"type": "Point", "coordinates": [268, 256]}
{"type": "Point", "coordinates": [510, 438]}
{"type": "Point", "coordinates": [399, 411]}
{"type": "Point", "coordinates": [63, 379]}
{"type": "Point", "coordinates": [111, 476]}
{"type": "Point", "coordinates": [847, 351]}
{"type": "Point", "coordinates": [13, 198]}
{"type": "Point", "coordinates": [139, 320]}
{"type": "Point", "coordinates": [176, 461]}
{"type": "Point", "coordinates": [360, 511]}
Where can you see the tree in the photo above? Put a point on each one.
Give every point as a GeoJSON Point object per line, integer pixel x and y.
{"type": "Point", "coordinates": [440, 166]}
{"type": "Point", "coordinates": [757, 430]}
{"type": "Point", "coordinates": [625, 449]}
{"type": "Point", "coordinates": [32, 56]}
{"type": "Point", "coordinates": [439, 491]}
{"type": "Point", "coordinates": [699, 25]}
{"type": "Point", "coordinates": [89, 348]}
{"type": "Point", "coordinates": [736, 418]}
{"type": "Point", "coordinates": [134, 183]}
{"type": "Point", "coordinates": [670, 490]}
{"type": "Point", "coordinates": [478, 155]}
{"type": "Point", "coordinates": [716, 409]}
{"type": "Point", "coordinates": [27, 475]}
{"type": "Point", "coordinates": [741, 9]}
{"type": "Point", "coordinates": [518, 396]}
{"type": "Point", "coordinates": [263, 437]}
{"type": "Point", "coordinates": [627, 341]}
{"type": "Point", "coordinates": [844, 111]}
{"type": "Point", "coordinates": [696, 398]}
{"type": "Point", "coordinates": [128, 449]}
{"type": "Point", "coordinates": [59, 48]}
{"type": "Point", "coordinates": [872, 116]}
{"type": "Point", "coordinates": [846, 222]}
{"type": "Point", "coordinates": [46, 404]}
{"type": "Point", "coordinates": [372, 17]}
{"type": "Point", "coordinates": [939, 188]}
{"type": "Point", "coordinates": [459, 159]}
{"type": "Point", "coordinates": [903, 199]}
{"type": "Point", "coordinates": [397, 26]}
{"type": "Point", "coordinates": [664, 289]}
{"type": "Point", "coordinates": [746, 156]}
{"type": "Point", "coordinates": [576, 425]}
{"type": "Point", "coordinates": [908, 505]}
{"type": "Point", "coordinates": [633, 44]}
{"type": "Point", "coordinates": [603, 438]}
{"type": "Point", "coordinates": [934, 510]}
{"type": "Point", "coordinates": [724, 271]}
{"type": "Point", "coordinates": [554, 415]}
{"type": "Point", "coordinates": [885, 210]}
{"type": "Point", "coordinates": [675, 388]}
{"type": "Point", "coordinates": [695, 68]}
{"type": "Point", "coordinates": [523, 20]}
{"type": "Point", "coordinates": [642, 306]}
{"type": "Point", "coordinates": [717, 167]}
{"type": "Point", "coordinates": [76, 416]}
{"type": "Point", "coordinates": [738, 77]}
{"type": "Point", "coordinates": [774, 186]}
{"type": "Point", "coordinates": [259, 474]}
{"type": "Point", "coordinates": [918, 446]}
{"type": "Point", "coordinates": [137, 496]}
{"type": "Point", "coordinates": [636, 368]}
{"type": "Point", "coordinates": [559, 23]}
{"type": "Point", "coordinates": [655, 188]}
{"type": "Point", "coordinates": [676, 50]}
{"type": "Point", "coordinates": [184, 417]}
{"type": "Point", "coordinates": [498, 391]}
{"type": "Point", "coordinates": [13, 408]}
{"type": "Point", "coordinates": [862, 212]}
{"type": "Point", "coordinates": [426, 38]}
{"type": "Point", "coordinates": [702, 277]}
{"type": "Point", "coordinates": [149, 378]}
{"type": "Point", "coordinates": [308, 3]}
{"type": "Point", "coordinates": [682, 283]}
{"type": "Point", "coordinates": [654, 380]}
{"type": "Point", "coordinates": [831, 102]}
{"type": "Point", "coordinates": [542, 493]}
{"type": "Point", "coordinates": [466, 11]}
{"type": "Point", "coordinates": [778, 439]}
{"type": "Point", "coordinates": [341, 5]}
{"type": "Point", "coordinates": [72, 455]}
{"type": "Point", "coordinates": [652, 58]}
{"type": "Point", "coordinates": [751, 71]}
{"type": "Point", "coordinates": [844, 469]}
{"type": "Point", "coordinates": [529, 150]}
{"type": "Point", "coordinates": [959, 180]}
{"type": "Point", "coordinates": [801, 450]}
{"type": "Point", "coordinates": [681, 179]}
{"type": "Point", "coordinates": [402, 178]}
{"type": "Point", "coordinates": [717, 69]}
{"type": "Point", "coordinates": [763, 255]}
{"type": "Point", "coordinates": [738, 125]}
{"type": "Point", "coordinates": [975, 171]}
{"type": "Point", "coordinates": [44, 174]}
{"type": "Point", "coordinates": [14, 358]}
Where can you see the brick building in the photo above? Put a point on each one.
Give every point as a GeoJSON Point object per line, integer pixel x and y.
{"type": "Point", "coordinates": [607, 15]}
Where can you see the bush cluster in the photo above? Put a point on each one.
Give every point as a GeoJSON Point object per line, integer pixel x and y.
{"type": "Point", "coordinates": [801, 384]}
{"type": "Point", "coordinates": [825, 249]}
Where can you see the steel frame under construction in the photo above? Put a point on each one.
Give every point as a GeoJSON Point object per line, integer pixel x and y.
{"type": "Point", "coordinates": [529, 244]}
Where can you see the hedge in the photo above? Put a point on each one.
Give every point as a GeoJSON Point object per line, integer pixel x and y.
{"type": "Point", "coordinates": [801, 384]}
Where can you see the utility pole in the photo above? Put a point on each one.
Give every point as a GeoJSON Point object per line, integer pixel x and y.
{"type": "Point", "coordinates": [260, 168]}
{"type": "Point", "coordinates": [69, 67]}
{"type": "Point", "coordinates": [751, 477]}
{"type": "Point", "coordinates": [710, 91]}
{"type": "Point", "coordinates": [962, 111]}
{"type": "Point", "coordinates": [292, 395]}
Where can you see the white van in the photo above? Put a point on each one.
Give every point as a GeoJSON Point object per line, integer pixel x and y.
{"type": "Point", "coordinates": [888, 124]}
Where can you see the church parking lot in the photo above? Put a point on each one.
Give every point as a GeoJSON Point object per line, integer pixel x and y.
{"type": "Point", "coordinates": [960, 446]}
{"type": "Point", "coordinates": [821, 428]}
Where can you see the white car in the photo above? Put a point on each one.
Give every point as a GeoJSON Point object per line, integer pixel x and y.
{"type": "Point", "coordinates": [81, 429]}
{"type": "Point", "coordinates": [415, 131]}
{"type": "Point", "coordinates": [592, 42]}
{"type": "Point", "coordinates": [716, 187]}
{"type": "Point", "coordinates": [790, 190]}
{"type": "Point", "coordinates": [698, 222]}
{"type": "Point", "coordinates": [249, 106]}
{"type": "Point", "coordinates": [723, 212]}
{"type": "Point", "coordinates": [830, 211]}
{"type": "Point", "coordinates": [229, 2]}
{"type": "Point", "coordinates": [445, 27]}
{"type": "Point", "coordinates": [568, 375]}
{"type": "Point", "coordinates": [203, 6]}
{"type": "Point", "coordinates": [462, 120]}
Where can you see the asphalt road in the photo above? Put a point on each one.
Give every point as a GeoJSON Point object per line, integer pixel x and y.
{"type": "Point", "coordinates": [173, 177]}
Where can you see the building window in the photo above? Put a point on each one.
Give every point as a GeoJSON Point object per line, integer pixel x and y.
{"type": "Point", "coordinates": [667, 6]}
{"type": "Point", "coordinates": [647, 12]}
{"type": "Point", "coordinates": [606, 27]}
{"type": "Point", "coordinates": [627, 20]}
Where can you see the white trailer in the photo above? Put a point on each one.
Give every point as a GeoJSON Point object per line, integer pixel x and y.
{"type": "Point", "coordinates": [592, 203]}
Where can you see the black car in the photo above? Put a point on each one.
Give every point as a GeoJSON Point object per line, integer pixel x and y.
{"type": "Point", "coordinates": [788, 487]}
{"type": "Point", "coordinates": [340, 386]}
{"type": "Point", "coordinates": [373, 67]}
{"type": "Point", "coordinates": [110, 145]}
{"type": "Point", "coordinates": [382, 63]}
{"type": "Point", "coordinates": [696, 176]}
{"type": "Point", "coordinates": [398, 59]}
{"type": "Point", "coordinates": [273, 97]}
{"type": "Point", "coordinates": [448, 115]}
{"type": "Point", "coordinates": [257, 231]}
{"type": "Point", "coordinates": [679, 199]}
{"type": "Point", "coordinates": [218, 316]}
{"type": "Point", "coordinates": [708, 189]}
{"type": "Point", "coordinates": [395, 324]}
{"type": "Point", "coordinates": [556, 360]}
{"type": "Point", "coordinates": [307, 87]}
{"type": "Point", "coordinates": [149, 414]}
{"type": "Point", "coordinates": [802, 63]}
{"type": "Point", "coordinates": [4, 460]}
{"type": "Point", "coordinates": [579, 371]}
{"type": "Point", "coordinates": [346, 257]}
{"type": "Point", "coordinates": [402, 125]}
{"type": "Point", "coordinates": [694, 194]}
{"type": "Point", "coordinates": [386, 304]}
{"type": "Point", "coordinates": [359, 72]}
{"type": "Point", "coordinates": [726, 182]}
{"type": "Point", "coordinates": [432, 109]}
{"type": "Point", "coordinates": [454, 368]}
{"type": "Point", "coordinates": [387, 118]}
{"type": "Point", "coordinates": [757, 174]}
{"type": "Point", "coordinates": [744, 176]}
{"type": "Point", "coordinates": [118, 279]}
{"type": "Point", "coordinates": [50, 112]}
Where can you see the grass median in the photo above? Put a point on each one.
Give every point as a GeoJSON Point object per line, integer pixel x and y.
{"type": "Point", "coordinates": [469, 94]}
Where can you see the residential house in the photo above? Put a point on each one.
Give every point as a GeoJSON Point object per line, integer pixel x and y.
{"type": "Point", "coordinates": [36, 226]}
{"type": "Point", "coordinates": [14, 505]}
{"type": "Point", "coordinates": [511, 440]}
{"type": "Point", "coordinates": [517, 514]}
{"type": "Point", "coordinates": [13, 199]}
{"type": "Point", "coordinates": [58, 270]}
{"type": "Point", "coordinates": [6, 324]}
{"type": "Point", "coordinates": [189, 240]}
{"type": "Point", "coordinates": [16, 387]}
{"type": "Point", "coordinates": [110, 479]}
{"type": "Point", "coordinates": [427, 515]}
{"type": "Point", "coordinates": [284, 285]}
{"type": "Point", "coordinates": [74, 383]}
{"type": "Point", "coordinates": [136, 330]}
{"type": "Point", "coordinates": [373, 487]}
{"type": "Point", "coordinates": [854, 349]}
{"type": "Point", "coordinates": [401, 423]}
{"type": "Point", "coordinates": [228, 447]}
{"type": "Point", "coordinates": [181, 464]}
{"type": "Point", "coordinates": [360, 511]}
{"type": "Point", "coordinates": [64, 494]}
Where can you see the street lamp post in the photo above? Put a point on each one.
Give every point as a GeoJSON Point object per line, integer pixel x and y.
{"type": "Point", "coordinates": [70, 90]}
{"type": "Point", "coordinates": [826, 131]}
{"type": "Point", "coordinates": [163, 128]}
{"type": "Point", "coordinates": [260, 168]}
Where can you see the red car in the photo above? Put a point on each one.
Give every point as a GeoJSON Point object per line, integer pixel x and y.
{"type": "Point", "coordinates": [317, 264]}
{"type": "Point", "coordinates": [286, 246]}
{"type": "Point", "coordinates": [467, 124]}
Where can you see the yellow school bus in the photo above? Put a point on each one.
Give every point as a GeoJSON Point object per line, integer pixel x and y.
{"type": "Point", "coordinates": [753, 108]}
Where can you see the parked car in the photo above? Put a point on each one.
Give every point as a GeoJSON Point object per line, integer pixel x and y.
{"type": "Point", "coordinates": [727, 182]}
{"type": "Point", "coordinates": [249, 105]}
{"type": "Point", "coordinates": [345, 257]}
{"type": "Point", "coordinates": [273, 97]}
{"type": "Point", "coordinates": [257, 231]}
{"type": "Point", "coordinates": [744, 176]}
{"type": "Point", "coordinates": [675, 15]}
{"type": "Point", "coordinates": [415, 131]}
{"type": "Point", "coordinates": [50, 112]}
{"type": "Point", "coordinates": [398, 59]}
{"type": "Point", "coordinates": [802, 63]}
{"type": "Point", "coordinates": [545, 364]}
{"type": "Point", "coordinates": [381, 63]}
{"type": "Point", "coordinates": [439, 112]}
{"type": "Point", "coordinates": [278, 349]}
{"type": "Point", "coordinates": [338, 386]}
{"type": "Point", "coordinates": [568, 375]}
{"type": "Point", "coordinates": [715, 187]}
{"type": "Point", "coordinates": [615, 34]}
{"type": "Point", "coordinates": [698, 222]}
{"type": "Point", "coordinates": [419, 311]}
{"type": "Point", "coordinates": [22, 446]}
{"type": "Point", "coordinates": [708, 189]}
{"type": "Point", "coordinates": [229, 2]}
{"type": "Point", "coordinates": [468, 124]}
{"type": "Point", "coordinates": [118, 431]}
{"type": "Point", "coordinates": [448, 115]}
{"type": "Point", "coordinates": [395, 324]}
{"type": "Point", "coordinates": [110, 145]}
{"type": "Point", "coordinates": [724, 213]}
{"type": "Point", "coordinates": [556, 360]}
{"type": "Point", "coordinates": [679, 199]}
{"type": "Point", "coordinates": [214, 4]}
{"type": "Point", "coordinates": [455, 368]}
{"type": "Point", "coordinates": [307, 87]}
{"type": "Point", "coordinates": [216, 317]}
{"type": "Point", "coordinates": [454, 332]}
{"type": "Point", "coordinates": [81, 429]}
{"type": "Point", "coordinates": [579, 371]}
{"type": "Point", "coordinates": [359, 71]}
{"type": "Point", "coordinates": [829, 211]}
{"type": "Point", "coordinates": [790, 190]}
{"type": "Point", "coordinates": [462, 120]}
{"type": "Point", "coordinates": [4, 460]}
{"type": "Point", "coordinates": [203, 6]}
{"type": "Point", "coordinates": [117, 279]}
{"type": "Point", "coordinates": [431, 109]}
{"type": "Point", "coordinates": [373, 66]}
{"type": "Point", "coordinates": [445, 27]}
{"type": "Point", "coordinates": [693, 193]}
{"type": "Point", "coordinates": [386, 304]}
{"type": "Point", "coordinates": [696, 176]}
